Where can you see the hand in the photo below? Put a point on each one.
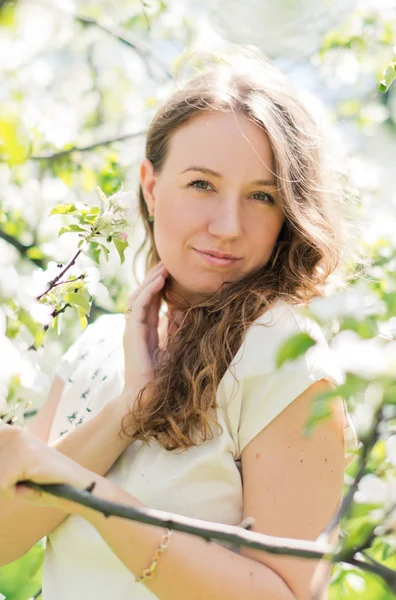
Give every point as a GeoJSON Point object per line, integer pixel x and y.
{"type": "Point", "coordinates": [25, 457]}
{"type": "Point", "coordinates": [141, 339]}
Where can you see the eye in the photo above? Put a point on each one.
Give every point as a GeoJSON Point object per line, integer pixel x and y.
{"type": "Point", "coordinates": [264, 197]}
{"type": "Point", "coordinates": [199, 188]}
{"type": "Point", "coordinates": [199, 183]}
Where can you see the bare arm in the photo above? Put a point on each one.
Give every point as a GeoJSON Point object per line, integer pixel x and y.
{"type": "Point", "coordinates": [96, 445]}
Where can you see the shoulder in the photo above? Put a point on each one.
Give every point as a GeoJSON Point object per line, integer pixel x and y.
{"type": "Point", "coordinates": [272, 329]}
{"type": "Point", "coordinates": [100, 336]}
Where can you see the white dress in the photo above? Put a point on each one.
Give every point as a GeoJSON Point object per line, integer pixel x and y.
{"type": "Point", "coordinates": [203, 482]}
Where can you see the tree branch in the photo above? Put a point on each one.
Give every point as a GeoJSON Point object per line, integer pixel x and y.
{"type": "Point", "coordinates": [42, 264]}
{"type": "Point", "coordinates": [143, 50]}
{"type": "Point", "coordinates": [211, 531]}
{"type": "Point", "coordinates": [105, 142]}
{"type": "Point", "coordinates": [368, 444]}
{"type": "Point", "coordinates": [58, 277]}
{"type": "Point", "coordinates": [205, 529]}
{"type": "Point", "coordinates": [22, 249]}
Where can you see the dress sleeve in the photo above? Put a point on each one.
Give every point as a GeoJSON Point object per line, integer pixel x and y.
{"type": "Point", "coordinates": [81, 345]}
{"type": "Point", "coordinates": [266, 391]}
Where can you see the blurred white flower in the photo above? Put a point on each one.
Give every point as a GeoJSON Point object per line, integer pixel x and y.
{"type": "Point", "coordinates": [14, 362]}
{"type": "Point", "coordinates": [123, 200]}
{"type": "Point", "coordinates": [390, 445]}
{"type": "Point", "coordinates": [357, 301]}
{"type": "Point", "coordinates": [356, 582]}
{"type": "Point", "coordinates": [92, 278]}
{"type": "Point", "coordinates": [52, 271]}
{"type": "Point", "coordinates": [9, 280]}
{"type": "Point", "coordinates": [363, 414]}
{"type": "Point", "coordinates": [94, 286]}
{"type": "Point", "coordinates": [387, 328]}
{"type": "Point", "coordinates": [371, 489]}
{"type": "Point", "coordinates": [107, 217]}
{"type": "Point", "coordinates": [366, 358]}
{"type": "Point", "coordinates": [42, 313]}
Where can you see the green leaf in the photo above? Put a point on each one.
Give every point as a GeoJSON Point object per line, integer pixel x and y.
{"type": "Point", "coordinates": [14, 139]}
{"type": "Point", "coordinates": [7, 14]}
{"type": "Point", "coordinates": [120, 247]}
{"type": "Point", "coordinates": [357, 531]}
{"type": "Point", "coordinates": [56, 324]}
{"type": "Point", "coordinates": [366, 328]}
{"type": "Point", "coordinates": [390, 394]}
{"type": "Point", "coordinates": [22, 578]}
{"type": "Point", "coordinates": [94, 252]}
{"type": "Point", "coordinates": [33, 327]}
{"type": "Point", "coordinates": [102, 195]}
{"type": "Point", "coordinates": [71, 229]}
{"type": "Point", "coordinates": [294, 347]}
{"type": "Point", "coordinates": [95, 210]}
{"type": "Point", "coordinates": [106, 251]}
{"type": "Point", "coordinates": [78, 300]}
{"type": "Point", "coordinates": [35, 252]}
{"type": "Point", "coordinates": [320, 411]}
{"type": "Point", "coordinates": [389, 77]}
{"type": "Point", "coordinates": [64, 209]}
{"type": "Point", "coordinates": [82, 317]}
{"type": "Point", "coordinates": [89, 179]}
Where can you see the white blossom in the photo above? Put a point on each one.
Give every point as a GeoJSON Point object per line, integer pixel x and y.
{"type": "Point", "coordinates": [123, 200]}
{"type": "Point", "coordinates": [366, 358]}
{"type": "Point", "coordinates": [107, 217]}
{"type": "Point", "coordinates": [356, 582]}
{"type": "Point", "coordinates": [390, 446]}
{"type": "Point", "coordinates": [94, 286]}
{"type": "Point", "coordinates": [357, 301]}
{"type": "Point", "coordinates": [371, 489]}
{"type": "Point", "coordinates": [364, 412]}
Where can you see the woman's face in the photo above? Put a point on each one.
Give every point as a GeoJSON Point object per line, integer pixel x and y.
{"type": "Point", "coordinates": [215, 192]}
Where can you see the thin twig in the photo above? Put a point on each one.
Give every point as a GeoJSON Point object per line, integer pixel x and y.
{"type": "Point", "coordinates": [53, 282]}
{"type": "Point", "coordinates": [143, 50]}
{"type": "Point", "coordinates": [142, 2]}
{"type": "Point", "coordinates": [348, 498]}
{"type": "Point", "coordinates": [105, 142]}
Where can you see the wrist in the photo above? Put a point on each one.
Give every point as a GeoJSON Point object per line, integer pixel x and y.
{"type": "Point", "coordinates": [120, 408]}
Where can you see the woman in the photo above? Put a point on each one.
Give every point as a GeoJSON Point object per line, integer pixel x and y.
{"type": "Point", "coordinates": [242, 234]}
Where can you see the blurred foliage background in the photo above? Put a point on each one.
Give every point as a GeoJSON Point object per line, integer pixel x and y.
{"type": "Point", "coordinates": [79, 84]}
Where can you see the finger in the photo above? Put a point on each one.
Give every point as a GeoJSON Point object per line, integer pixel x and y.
{"type": "Point", "coordinates": [154, 305]}
{"type": "Point", "coordinates": [144, 299]}
{"type": "Point", "coordinates": [141, 303]}
{"type": "Point", "coordinates": [151, 276]}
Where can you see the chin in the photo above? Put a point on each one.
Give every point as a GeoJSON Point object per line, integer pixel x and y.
{"type": "Point", "coordinates": [205, 290]}
{"type": "Point", "coordinates": [196, 288]}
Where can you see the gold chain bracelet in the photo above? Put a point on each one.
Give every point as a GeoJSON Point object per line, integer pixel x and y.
{"type": "Point", "coordinates": [149, 572]}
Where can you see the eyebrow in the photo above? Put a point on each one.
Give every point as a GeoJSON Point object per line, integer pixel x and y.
{"type": "Point", "coordinates": [215, 174]}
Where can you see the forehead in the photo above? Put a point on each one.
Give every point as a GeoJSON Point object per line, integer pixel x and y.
{"type": "Point", "coordinates": [225, 142]}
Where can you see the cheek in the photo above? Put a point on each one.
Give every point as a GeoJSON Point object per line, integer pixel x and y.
{"type": "Point", "coordinates": [266, 235]}
{"type": "Point", "coordinates": [173, 231]}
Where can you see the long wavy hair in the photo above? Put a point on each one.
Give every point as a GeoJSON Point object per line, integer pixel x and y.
{"type": "Point", "coordinates": [178, 405]}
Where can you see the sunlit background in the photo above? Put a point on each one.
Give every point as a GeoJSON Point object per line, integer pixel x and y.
{"type": "Point", "coordinates": [79, 84]}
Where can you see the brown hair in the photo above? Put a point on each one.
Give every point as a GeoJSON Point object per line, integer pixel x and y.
{"type": "Point", "coordinates": [176, 407]}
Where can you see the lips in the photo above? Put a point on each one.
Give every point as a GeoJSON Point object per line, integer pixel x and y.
{"type": "Point", "coordinates": [216, 260]}
{"type": "Point", "coordinates": [219, 254]}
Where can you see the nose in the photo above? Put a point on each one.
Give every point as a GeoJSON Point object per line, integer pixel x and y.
{"type": "Point", "coordinates": [225, 221]}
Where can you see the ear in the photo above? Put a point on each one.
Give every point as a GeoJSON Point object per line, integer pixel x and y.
{"type": "Point", "coordinates": [148, 181]}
